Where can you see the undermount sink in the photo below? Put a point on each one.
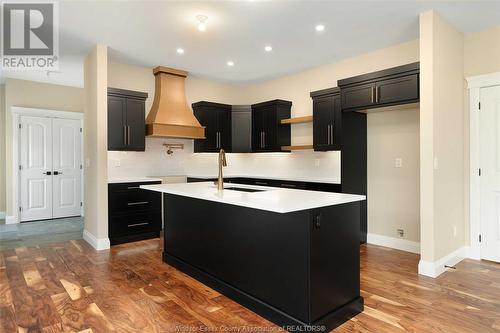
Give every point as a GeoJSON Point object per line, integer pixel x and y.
{"type": "Point", "coordinates": [243, 189]}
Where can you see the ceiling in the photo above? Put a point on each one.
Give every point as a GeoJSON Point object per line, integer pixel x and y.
{"type": "Point", "coordinates": [147, 33]}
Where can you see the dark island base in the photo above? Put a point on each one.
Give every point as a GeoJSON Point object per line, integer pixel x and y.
{"type": "Point", "coordinates": [324, 324]}
{"type": "Point", "coordinates": [134, 237]}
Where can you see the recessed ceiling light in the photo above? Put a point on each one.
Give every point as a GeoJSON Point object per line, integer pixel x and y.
{"type": "Point", "coordinates": [180, 50]}
{"type": "Point", "coordinates": [201, 22]}
{"type": "Point", "coordinates": [320, 27]}
{"type": "Point", "coordinates": [230, 63]}
{"type": "Point", "coordinates": [268, 48]}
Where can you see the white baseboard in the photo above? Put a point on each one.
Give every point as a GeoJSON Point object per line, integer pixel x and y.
{"type": "Point", "coordinates": [2, 215]}
{"type": "Point", "coordinates": [472, 253]}
{"type": "Point", "coordinates": [11, 220]}
{"type": "Point", "coordinates": [394, 243]}
{"type": "Point", "coordinates": [436, 268]}
{"type": "Point", "coordinates": [97, 243]}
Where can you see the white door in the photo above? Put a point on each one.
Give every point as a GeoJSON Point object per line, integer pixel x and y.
{"type": "Point", "coordinates": [66, 166]}
{"type": "Point", "coordinates": [36, 163]}
{"type": "Point", "coordinates": [490, 173]}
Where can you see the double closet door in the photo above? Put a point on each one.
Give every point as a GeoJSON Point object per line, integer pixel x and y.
{"type": "Point", "coordinates": [50, 168]}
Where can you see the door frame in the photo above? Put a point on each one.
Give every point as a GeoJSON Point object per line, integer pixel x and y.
{"type": "Point", "coordinates": [17, 112]}
{"type": "Point", "coordinates": [474, 85]}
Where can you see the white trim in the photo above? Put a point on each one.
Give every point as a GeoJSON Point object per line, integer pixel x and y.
{"type": "Point", "coordinates": [393, 243]}
{"type": "Point", "coordinates": [482, 81]}
{"type": "Point", "coordinates": [97, 243]}
{"type": "Point", "coordinates": [11, 220]}
{"type": "Point", "coordinates": [17, 112]}
{"type": "Point", "coordinates": [474, 84]}
{"type": "Point", "coordinates": [2, 215]}
{"type": "Point", "coordinates": [436, 268]}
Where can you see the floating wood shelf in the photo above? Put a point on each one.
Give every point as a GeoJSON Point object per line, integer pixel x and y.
{"type": "Point", "coordinates": [296, 120]}
{"type": "Point", "coordinates": [301, 147]}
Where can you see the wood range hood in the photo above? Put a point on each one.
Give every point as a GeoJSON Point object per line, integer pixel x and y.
{"type": "Point", "coordinates": [170, 116]}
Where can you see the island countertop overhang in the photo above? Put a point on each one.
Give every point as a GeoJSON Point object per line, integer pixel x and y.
{"type": "Point", "coordinates": [278, 200]}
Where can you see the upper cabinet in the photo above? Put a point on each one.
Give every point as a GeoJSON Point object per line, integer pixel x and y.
{"type": "Point", "coordinates": [216, 118]}
{"type": "Point", "coordinates": [126, 120]}
{"type": "Point", "coordinates": [268, 134]}
{"type": "Point", "coordinates": [393, 86]}
{"type": "Point", "coordinates": [327, 119]}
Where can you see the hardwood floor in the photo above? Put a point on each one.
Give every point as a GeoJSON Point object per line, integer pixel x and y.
{"type": "Point", "coordinates": [69, 287]}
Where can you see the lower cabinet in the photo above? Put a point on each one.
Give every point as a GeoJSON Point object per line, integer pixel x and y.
{"type": "Point", "coordinates": [134, 214]}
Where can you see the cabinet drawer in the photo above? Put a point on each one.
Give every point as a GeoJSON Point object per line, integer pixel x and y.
{"type": "Point", "coordinates": [134, 223]}
{"type": "Point", "coordinates": [129, 187]}
{"type": "Point", "coordinates": [136, 200]}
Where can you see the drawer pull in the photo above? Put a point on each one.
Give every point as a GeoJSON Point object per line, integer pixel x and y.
{"type": "Point", "coordinates": [137, 224]}
{"type": "Point", "coordinates": [133, 188]}
{"type": "Point", "coordinates": [137, 203]}
{"type": "Point", "coordinates": [289, 185]}
{"type": "Point", "coordinates": [260, 183]}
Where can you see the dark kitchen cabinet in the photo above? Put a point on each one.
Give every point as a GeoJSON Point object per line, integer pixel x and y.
{"type": "Point", "coordinates": [241, 129]}
{"type": "Point", "coordinates": [393, 86]}
{"type": "Point", "coordinates": [268, 134]}
{"type": "Point", "coordinates": [126, 120]}
{"type": "Point", "coordinates": [327, 119]}
{"type": "Point", "coordinates": [134, 214]}
{"type": "Point", "coordinates": [216, 118]}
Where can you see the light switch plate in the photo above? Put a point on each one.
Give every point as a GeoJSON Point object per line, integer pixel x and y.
{"type": "Point", "coordinates": [398, 162]}
{"type": "Point", "coordinates": [118, 163]}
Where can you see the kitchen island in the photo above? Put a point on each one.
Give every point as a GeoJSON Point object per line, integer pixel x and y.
{"type": "Point", "coordinates": [291, 256]}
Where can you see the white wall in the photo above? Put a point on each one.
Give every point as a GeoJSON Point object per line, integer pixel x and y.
{"type": "Point", "coordinates": [441, 138]}
{"type": "Point", "coordinates": [394, 193]}
{"type": "Point", "coordinates": [96, 146]}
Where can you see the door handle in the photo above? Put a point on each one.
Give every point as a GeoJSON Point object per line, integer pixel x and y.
{"type": "Point", "coordinates": [48, 173]}
{"type": "Point", "coordinates": [128, 135]}
{"type": "Point", "coordinates": [328, 135]}
{"type": "Point", "coordinates": [57, 173]}
{"type": "Point", "coordinates": [124, 135]}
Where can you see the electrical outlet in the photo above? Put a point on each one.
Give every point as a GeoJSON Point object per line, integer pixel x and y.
{"type": "Point", "coordinates": [398, 162]}
{"type": "Point", "coordinates": [317, 162]}
{"type": "Point", "coordinates": [118, 163]}
{"type": "Point", "coordinates": [401, 232]}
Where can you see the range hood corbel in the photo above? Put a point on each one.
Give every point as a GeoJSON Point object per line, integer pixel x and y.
{"type": "Point", "coordinates": [170, 116]}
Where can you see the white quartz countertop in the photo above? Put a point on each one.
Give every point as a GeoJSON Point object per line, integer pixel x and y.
{"type": "Point", "coordinates": [289, 178]}
{"type": "Point", "coordinates": [133, 180]}
{"type": "Point", "coordinates": [279, 200]}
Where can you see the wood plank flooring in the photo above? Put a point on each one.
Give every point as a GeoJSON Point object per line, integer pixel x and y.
{"type": "Point", "coordinates": [69, 287]}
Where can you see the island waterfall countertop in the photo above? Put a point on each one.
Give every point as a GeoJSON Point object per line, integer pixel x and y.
{"type": "Point", "coordinates": [279, 200]}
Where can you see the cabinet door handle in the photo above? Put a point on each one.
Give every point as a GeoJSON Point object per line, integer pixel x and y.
{"type": "Point", "coordinates": [133, 187]}
{"type": "Point", "coordinates": [137, 203]}
{"type": "Point", "coordinates": [124, 135]}
{"type": "Point", "coordinates": [137, 224]}
{"type": "Point", "coordinates": [261, 183]}
{"type": "Point", "coordinates": [48, 173]}
{"type": "Point", "coordinates": [376, 93]}
{"type": "Point", "coordinates": [289, 185]}
{"type": "Point", "coordinates": [317, 222]}
{"type": "Point", "coordinates": [328, 136]}
{"type": "Point", "coordinates": [264, 139]}
{"type": "Point", "coordinates": [220, 141]}
{"type": "Point", "coordinates": [128, 135]}
{"type": "Point", "coordinates": [373, 93]}
{"type": "Point", "coordinates": [331, 134]}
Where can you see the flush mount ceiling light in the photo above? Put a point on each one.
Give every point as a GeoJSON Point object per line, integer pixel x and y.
{"type": "Point", "coordinates": [320, 27]}
{"type": "Point", "coordinates": [268, 48]}
{"type": "Point", "coordinates": [201, 22]}
{"type": "Point", "coordinates": [230, 63]}
{"type": "Point", "coordinates": [180, 50]}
